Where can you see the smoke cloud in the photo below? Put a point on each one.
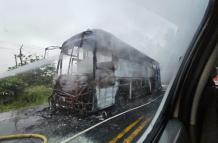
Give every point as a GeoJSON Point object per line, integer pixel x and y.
{"type": "Point", "coordinates": [160, 29]}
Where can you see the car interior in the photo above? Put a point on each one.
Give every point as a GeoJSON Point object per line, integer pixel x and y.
{"type": "Point", "coordinates": [204, 117]}
{"type": "Point", "coordinates": [202, 125]}
{"type": "Point", "coordinates": [192, 112]}
{"type": "Point", "coordinates": [207, 110]}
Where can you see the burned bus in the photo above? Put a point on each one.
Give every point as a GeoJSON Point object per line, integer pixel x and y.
{"type": "Point", "coordinates": [95, 70]}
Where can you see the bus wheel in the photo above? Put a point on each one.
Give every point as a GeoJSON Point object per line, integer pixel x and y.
{"type": "Point", "coordinates": [104, 114]}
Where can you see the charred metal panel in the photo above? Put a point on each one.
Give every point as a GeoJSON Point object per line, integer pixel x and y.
{"type": "Point", "coordinates": [101, 69]}
{"type": "Point", "coordinates": [105, 96]}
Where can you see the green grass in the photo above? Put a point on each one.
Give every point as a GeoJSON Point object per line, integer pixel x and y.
{"type": "Point", "coordinates": [32, 96]}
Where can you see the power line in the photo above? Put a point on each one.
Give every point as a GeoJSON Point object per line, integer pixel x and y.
{"type": "Point", "coordinates": [3, 48]}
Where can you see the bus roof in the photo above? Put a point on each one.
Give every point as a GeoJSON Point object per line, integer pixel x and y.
{"type": "Point", "coordinates": [106, 43]}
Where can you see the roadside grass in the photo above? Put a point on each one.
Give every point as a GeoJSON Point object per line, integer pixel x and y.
{"type": "Point", "coordinates": [31, 96]}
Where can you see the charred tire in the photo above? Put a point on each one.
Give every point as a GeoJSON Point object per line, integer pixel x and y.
{"type": "Point", "coordinates": [104, 114]}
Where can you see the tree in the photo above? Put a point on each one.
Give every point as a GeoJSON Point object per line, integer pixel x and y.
{"type": "Point", "coordinates": [41, 76]}
{"type": "Point", "coordinates": [12, 88]}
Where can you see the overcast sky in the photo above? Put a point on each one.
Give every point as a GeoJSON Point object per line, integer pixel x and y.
{"type": "Point", "coordinates": [162, 29]}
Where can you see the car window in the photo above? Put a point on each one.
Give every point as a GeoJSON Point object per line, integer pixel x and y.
{"type": "Point", "coordinates": [89, 71]}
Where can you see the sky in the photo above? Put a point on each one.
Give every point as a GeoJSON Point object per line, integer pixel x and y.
{"type": "Point", "coordinates": [161, 29]}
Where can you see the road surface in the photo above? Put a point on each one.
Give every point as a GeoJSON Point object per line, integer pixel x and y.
{"type": "Point", "coordinates": [125, 126]}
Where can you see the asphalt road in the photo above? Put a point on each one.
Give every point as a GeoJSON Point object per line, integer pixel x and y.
{"type": "Point", "coordinates": [125, 126]}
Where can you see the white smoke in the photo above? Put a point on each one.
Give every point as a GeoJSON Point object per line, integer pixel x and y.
{"type": "Point", "coordinates": [29, 67]}
{"type": "Point", "coordinates": [161, 29]}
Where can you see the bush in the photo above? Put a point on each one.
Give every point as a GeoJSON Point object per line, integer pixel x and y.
{"type": "Point", "coordinates": [35, 94]}
{"type": "Point", "coordinates": [40, 76]}
{"type": "Point", "coordinates": [10, 88]}
{"type": "Point", "coordinates": [27, 88]}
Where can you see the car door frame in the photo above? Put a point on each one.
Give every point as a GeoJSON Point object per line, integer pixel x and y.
{"type": "Point", "coordinates": [190, 69]}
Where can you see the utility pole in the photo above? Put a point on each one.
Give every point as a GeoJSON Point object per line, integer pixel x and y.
{"type": "Point", "coordinates": [21, 60]}
{"type": "Point", "coordinates": [15, 57]}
